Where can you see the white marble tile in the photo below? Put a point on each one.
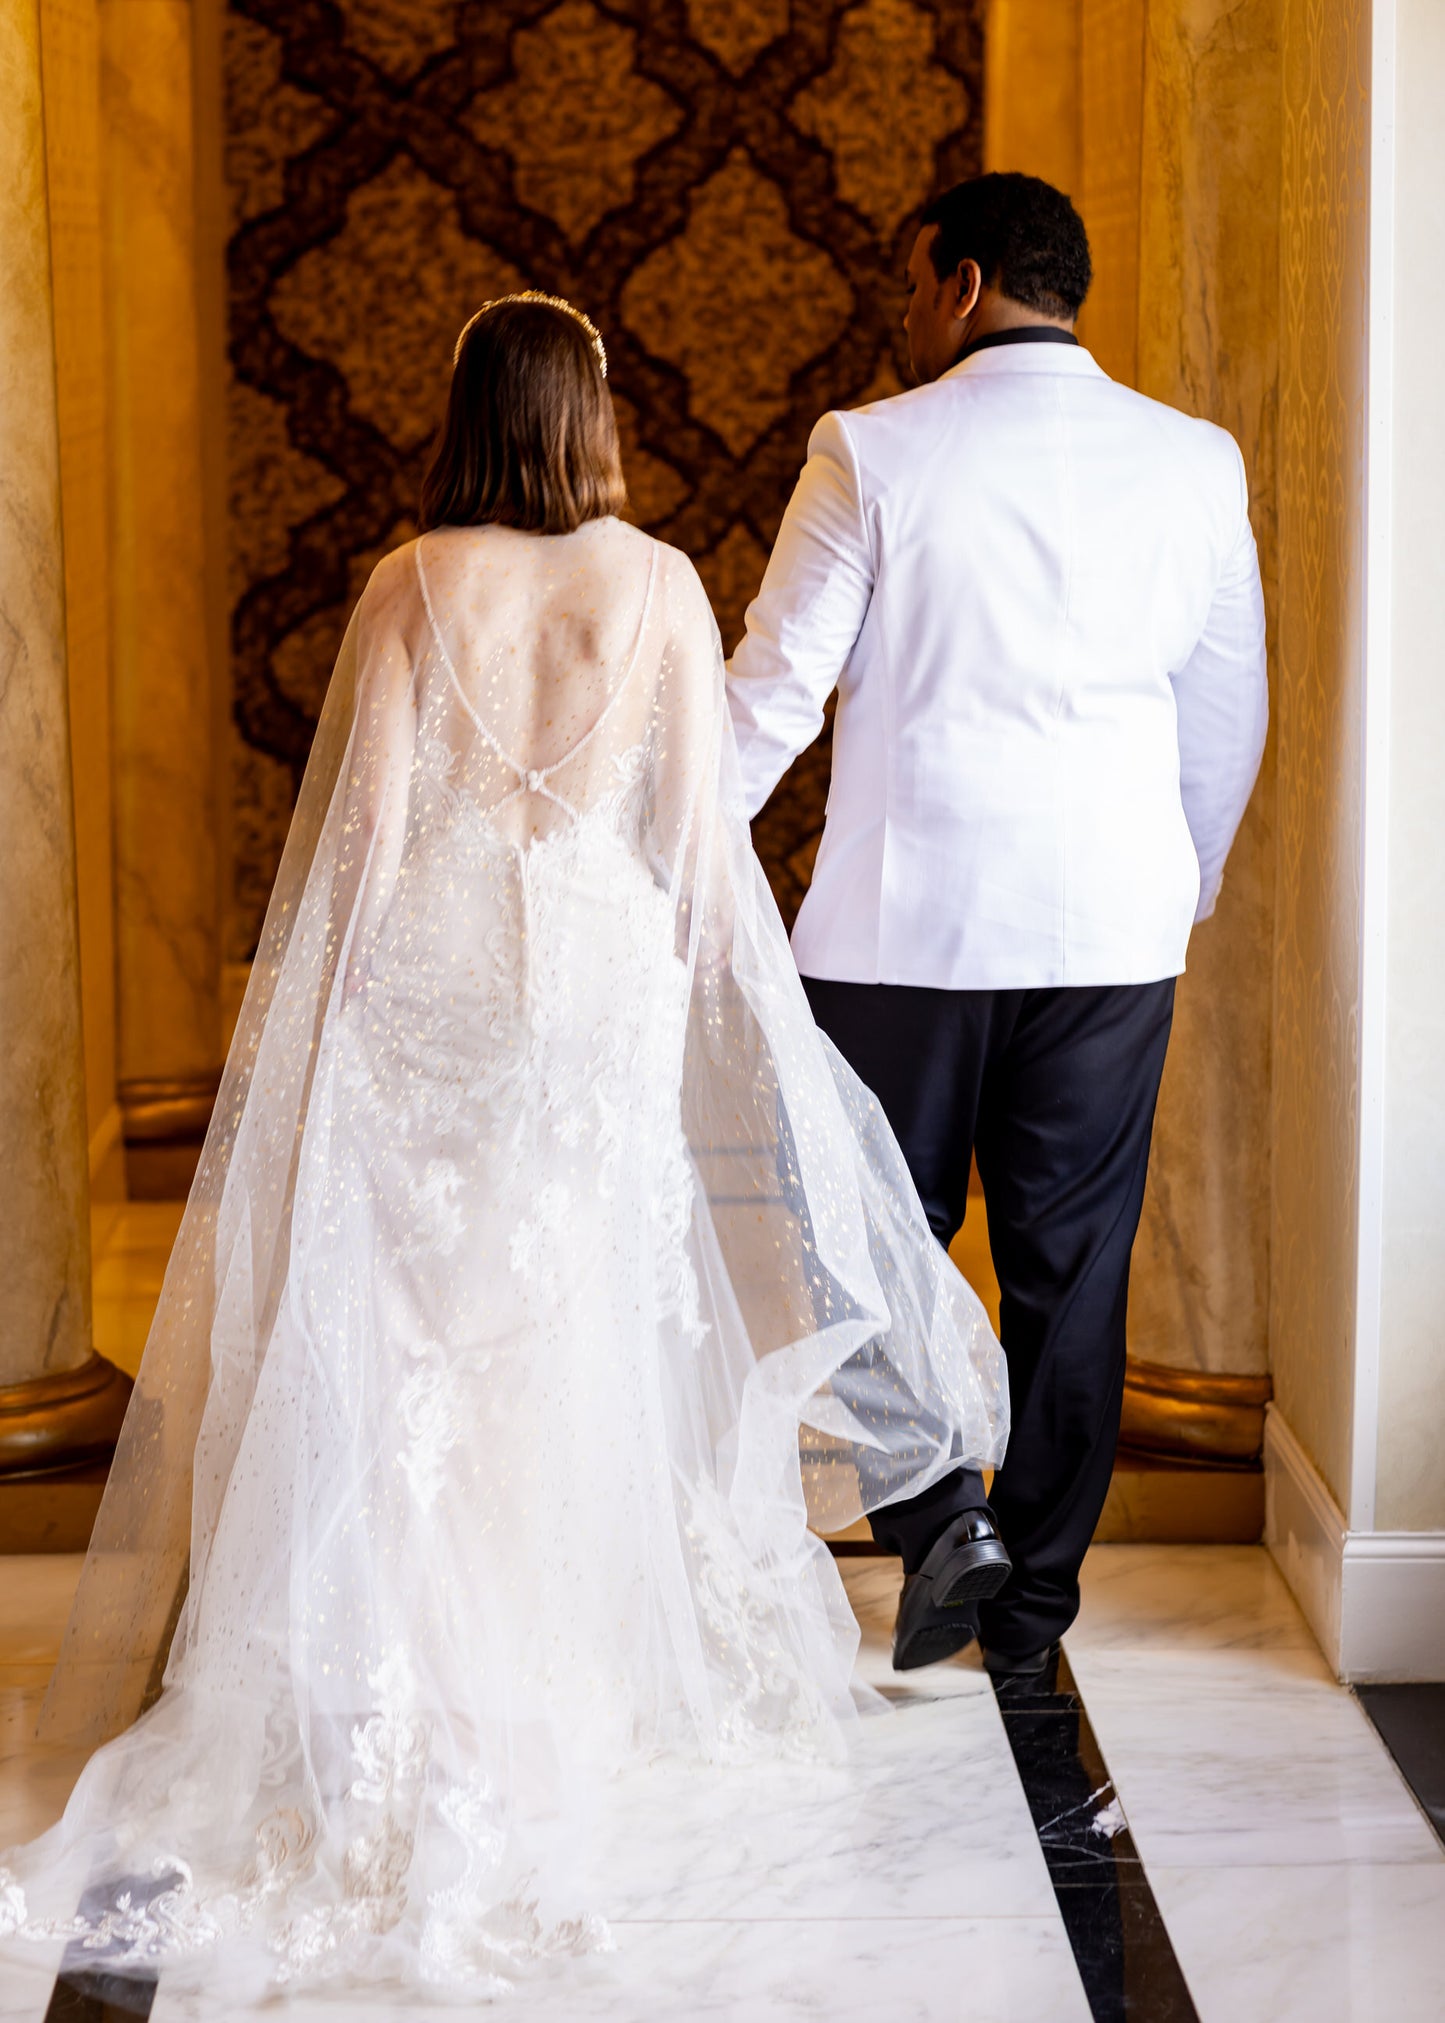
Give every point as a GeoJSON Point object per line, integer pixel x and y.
{"type": "Point", "coordinates": [1186, 1597]}
{"type": "Point", "coordinates": [27, 1976]}
{"type": "Point", "coordinates": [1349, 1944]}
{"type": "Point", "coordinates": [1246, 1757]}
{"type": "Point", "coordinates": [36, 1590]}
{"type": "Point", "coordinates": [927, 1820]}
{"type": "Point", "coordinates": [1007, 1970]}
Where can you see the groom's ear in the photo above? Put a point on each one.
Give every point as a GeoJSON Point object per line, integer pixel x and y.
{"type": "Point", "coordinates": [969, 282]}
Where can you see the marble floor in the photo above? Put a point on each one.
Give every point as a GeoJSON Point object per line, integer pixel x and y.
{"type": "Point", "coordinates": [1191, 1820]}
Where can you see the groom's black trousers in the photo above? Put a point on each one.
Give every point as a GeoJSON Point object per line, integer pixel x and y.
{"type": "Point", "coordinates": [1054, 1091]}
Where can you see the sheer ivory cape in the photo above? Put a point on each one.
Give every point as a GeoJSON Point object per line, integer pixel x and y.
{"type": "Point", "coordinates": [545, 1271]}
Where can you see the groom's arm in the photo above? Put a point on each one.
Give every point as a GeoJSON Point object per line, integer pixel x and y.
{"type": "Point", "coordinates": [802, 624]}
{"type": "Point", "coordinates": [1222, 698]}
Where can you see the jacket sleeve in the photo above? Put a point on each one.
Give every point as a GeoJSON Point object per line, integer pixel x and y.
{"type": "Point", "coordinates": [802, 624]}
{"type": "Point", "coordinates": [1222, 697]}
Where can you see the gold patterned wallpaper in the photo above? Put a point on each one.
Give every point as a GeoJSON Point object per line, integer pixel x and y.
{"type": "Point", "coordinates": [727, 186]}
{"type": "Point", "coordinates": [1324, 283]}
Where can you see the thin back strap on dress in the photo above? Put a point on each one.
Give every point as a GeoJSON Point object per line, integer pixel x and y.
{"type": "Point", "coordinates": [534, 775]}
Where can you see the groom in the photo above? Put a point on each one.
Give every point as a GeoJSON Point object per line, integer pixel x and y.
{"type": "Point", "coordinates": [1037, 595]}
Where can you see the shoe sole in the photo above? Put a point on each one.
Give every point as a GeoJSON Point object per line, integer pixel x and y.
{"type": "Point", "coordinates": [983, 1571]}
{"type": "Point", "coordinates": [931, 1645]}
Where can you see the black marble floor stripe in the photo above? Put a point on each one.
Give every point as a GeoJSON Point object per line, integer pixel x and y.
{"type": "Point", "coordinates": [1125, 1958]}
{"type": "Point", "coordinates": [1411, 1722]}
{"type": "Point", "coordinates": [85, 1990]}
{"type": "Point", "coordinates": [81, 1995]}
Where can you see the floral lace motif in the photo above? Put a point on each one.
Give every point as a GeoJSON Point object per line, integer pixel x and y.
{"type": "Point", "coordinates": [770, 1704]}
{"type": "Point", "coordinates": [140, 1926]}
{"type": "Point", "coordinates": [467, 1937]}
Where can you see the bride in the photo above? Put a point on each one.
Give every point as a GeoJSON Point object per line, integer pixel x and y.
{"type": "Point", "coordinates": [546, 1274]}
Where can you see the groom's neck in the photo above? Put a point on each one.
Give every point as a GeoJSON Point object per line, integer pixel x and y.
{"type": "Point", "coordinates": [995, 315]}
{"type": "Point", "coordinates": [996, 312]}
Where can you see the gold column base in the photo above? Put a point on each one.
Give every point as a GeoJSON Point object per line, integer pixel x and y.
{"type": "Point", "coordinates": [1193, 1415]}
{"type": "Point", "coordinates": [164, 1122]}
{"type": "Point", "coordinates": [57, 1437]}
{"type": "Point", "coordinates": [1189, 1469]}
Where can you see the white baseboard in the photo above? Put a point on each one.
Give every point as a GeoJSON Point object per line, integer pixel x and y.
{"type": "Point", "coordinates": [1392, 1610]}
{"type": "Point", "coordinates": [1374, 1599]}
{"type": "Point", "coordinates": [1305, 1530]}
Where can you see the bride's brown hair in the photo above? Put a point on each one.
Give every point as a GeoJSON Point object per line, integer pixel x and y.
{"type": "Point", "coordinates": [529, 439]}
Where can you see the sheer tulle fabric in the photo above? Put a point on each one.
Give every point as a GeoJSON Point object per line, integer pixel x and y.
{"type": "Point", "coordinates": [544, 1273]}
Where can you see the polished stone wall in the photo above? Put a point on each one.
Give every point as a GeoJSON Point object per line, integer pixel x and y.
{"type": "Point", "coordinates": [1111, 169]}
{"type": "Point", "coordinates": [1178, 138]}
{"type": "Point", "coordinates": [1207, 341]}
{"type": "Point", "coordinates": [70, 69]}
{"type": "Point", "coordinates": [1031, 90]}
{"type": "Point", "coordinates": [1324, 284]}
{"type": "Point", "coordinates": [728, 189]}
{"type": "Point", "coordinates": [166, 815]}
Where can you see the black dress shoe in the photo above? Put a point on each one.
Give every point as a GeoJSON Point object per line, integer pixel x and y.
{"type": "Point", "coordinates": [999, 1664]}
{"type": "Point", "coordinates": [968, 1564]}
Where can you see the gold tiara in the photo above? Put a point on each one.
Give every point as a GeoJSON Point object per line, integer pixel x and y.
{"type": "Point", "coordinates": [594, 335]}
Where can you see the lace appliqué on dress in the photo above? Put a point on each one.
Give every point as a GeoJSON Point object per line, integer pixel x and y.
{"type": "Point", "coordinates": [769, 1704]}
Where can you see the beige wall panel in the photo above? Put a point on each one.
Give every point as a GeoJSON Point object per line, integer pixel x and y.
{"type": "Point", "coordinates": [1208, 343]}
{"type": "Point", "coordinates": [70, 52]}
{"type": "Point", "coordinates": [1031, 90]}
{"type": "Point", "coordinates": [1411, 1457]}
{"type": "Point", "coordinates": [1111, 115]}
{"type": "Point", "coordinates": [169, 967]}
{"type": "Point", "coordinates": [1324, 276]}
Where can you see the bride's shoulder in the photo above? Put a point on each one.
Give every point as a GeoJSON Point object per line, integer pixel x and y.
{"type": "Point", "coordinates": [391, 604]}
{"type": "Point", "coordinates": [393, 575]}
{"type": "Point", "coordinates": [676, 574]}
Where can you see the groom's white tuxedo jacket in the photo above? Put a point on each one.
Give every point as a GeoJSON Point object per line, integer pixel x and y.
{"type": "Point", "coordinates": [1038, 597]}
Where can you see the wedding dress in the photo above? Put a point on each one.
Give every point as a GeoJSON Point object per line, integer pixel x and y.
{"type": "Point", "coordinates": [545, 1271]}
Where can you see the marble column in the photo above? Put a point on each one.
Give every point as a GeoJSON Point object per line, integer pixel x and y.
{"type": "Point", "coordinates": [70, 83]}
{"type": "Point", "coordinates": [59, 1404]}
{"type": "Point", "coordinates": [167, 879]}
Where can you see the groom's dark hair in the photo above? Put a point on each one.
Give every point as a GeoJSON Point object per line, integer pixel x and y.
{"type": "Point", "coordinates": [1028, 240]}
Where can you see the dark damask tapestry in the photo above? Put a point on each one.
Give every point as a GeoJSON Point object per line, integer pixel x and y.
{"type": "Point", "coordinates": [728, 187]}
